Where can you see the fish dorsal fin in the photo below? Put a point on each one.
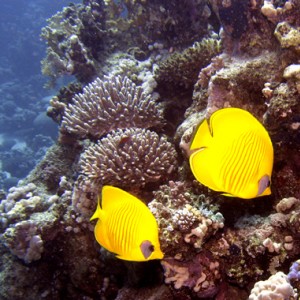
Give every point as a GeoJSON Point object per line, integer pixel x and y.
{"type": "Point", "coordinates": [113, 196]}
{"type": "Point", "coordinates": [202, 136]}
{"type": "Point", "coordinates": [239, 120]}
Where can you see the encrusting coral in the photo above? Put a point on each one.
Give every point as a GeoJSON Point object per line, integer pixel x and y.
{"type": "Point", "coordinates": [108, 105]}
{"type": "Point", "coordinates": [276, 287]}
{"type": "Point", "coordinates": [183, 218]}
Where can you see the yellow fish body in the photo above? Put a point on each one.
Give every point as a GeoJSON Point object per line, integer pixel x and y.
{"type": "Point", "coordinates": [126, 226]}
{"type": "Point", "coordinates": [233, 153]}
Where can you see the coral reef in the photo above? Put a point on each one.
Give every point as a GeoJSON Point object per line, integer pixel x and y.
{"type": "Point", "coordinates": [215, 247]}
{"type": "Point", "coordinates": [107, 105]}
{"type": "Point", "coordinates": [80, 37]}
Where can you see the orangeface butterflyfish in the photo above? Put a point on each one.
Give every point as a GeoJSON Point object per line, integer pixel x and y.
{"type": "Point", "coordinates": [126, 226]}
{"type": "Point", "coordinates": [233, 153]}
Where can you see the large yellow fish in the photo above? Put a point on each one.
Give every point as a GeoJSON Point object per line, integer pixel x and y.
{"type": "Point", "coordinates": [233, 153]}
{"type": "Point", "coordinates": [126, 226]}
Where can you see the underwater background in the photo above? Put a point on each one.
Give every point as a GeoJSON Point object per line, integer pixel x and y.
{"type": "Point", "coordinates": [99, 93]}
{"type": "Point", "coordinates": [25, 131]}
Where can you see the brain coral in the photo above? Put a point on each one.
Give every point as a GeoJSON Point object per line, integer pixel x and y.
{"type": "Point", "coordinates": [108, 105]}
{"type": "Point", "coordinates": [129, 157]}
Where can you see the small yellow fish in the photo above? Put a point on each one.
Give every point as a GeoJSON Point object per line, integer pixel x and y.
{"type": "Point", "coordinates": [233, 153]}
{"type": "Point", "coordinates": [126, 226]}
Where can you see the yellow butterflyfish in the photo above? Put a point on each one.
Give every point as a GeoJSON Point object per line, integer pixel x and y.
{"type": "Point", "coordinates": [126, 226]}
{"type": "Point", "coordinates": [233, 153]}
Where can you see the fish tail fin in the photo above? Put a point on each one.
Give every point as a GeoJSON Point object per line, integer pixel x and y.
{"type": "Point", "coordinates": [98, 213]}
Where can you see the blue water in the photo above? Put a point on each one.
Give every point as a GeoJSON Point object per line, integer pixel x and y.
{"type": "Point", "coordinates": [25, 130]}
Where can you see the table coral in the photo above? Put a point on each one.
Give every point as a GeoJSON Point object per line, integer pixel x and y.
{"type": "Point", "coordinates": [108, 105]}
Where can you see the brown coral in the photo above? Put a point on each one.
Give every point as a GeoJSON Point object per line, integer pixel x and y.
{"type": "Point", "coordinates": [106, 105]}
{"type": "Point", "coordinates": [130, 157]}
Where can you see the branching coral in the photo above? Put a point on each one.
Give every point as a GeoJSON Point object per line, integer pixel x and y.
{"type": "Point", "coordinates": [203, 253]}
{"type": "Point", "coordinates": [130, 157]}
{"type": "Point", "coordinates": [181, 69]}
{"type": "Point", "coordinates": [108, 105]}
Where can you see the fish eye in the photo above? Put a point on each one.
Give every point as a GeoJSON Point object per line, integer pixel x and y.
{"type": "Point", "coordinates": [151, 248]}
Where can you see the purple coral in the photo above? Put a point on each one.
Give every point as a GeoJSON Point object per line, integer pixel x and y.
{"type": "Point", "coordinates": [201, 274]}
{"type": "Point", "coordinates": [294, 273]}
{"type": "Point", "coordinates": [108, 105]}
{"type": "Point", "coordinates": [129, 157]}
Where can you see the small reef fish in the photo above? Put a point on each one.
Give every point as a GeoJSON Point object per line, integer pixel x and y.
{"type": "Point", "coordinates": [233, 153]}
{"type": "Point", "coordinates": [126, 226]}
